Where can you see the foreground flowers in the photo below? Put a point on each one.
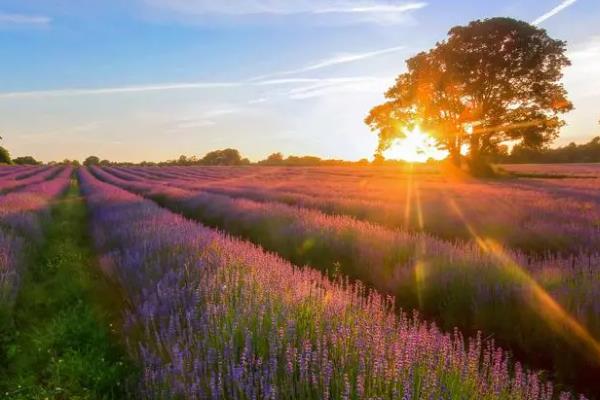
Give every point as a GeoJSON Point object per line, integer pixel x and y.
{"type": "Point", "coordinates": [546, 309]}
{"type": "Point", "coordinates": [214, 317]}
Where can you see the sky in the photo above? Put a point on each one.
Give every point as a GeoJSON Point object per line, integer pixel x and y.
{"type": "Point", "coordinates": [134, 80]}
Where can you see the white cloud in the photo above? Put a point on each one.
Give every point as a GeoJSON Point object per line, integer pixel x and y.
{"type": "Point", "coordinates": [564, 4]}
{"type": "Point", "coordinates": [191, 124]}
{"type": "Point", "coordinates": [7, 19]}
{"type": "Point", "coordinates": [259, 100]}
{"type": "Point", "coordinates": [339, 86]}
{"type": "Point", "coordinates": [582, 78]}
{"type": "Point", "coordinates": [373, 8]}
{"type": "Point", "coordinates": [582, 81]}
{"type": "Point", "coordinates": [161, 87]}
{"type": "Point", "coordinates": [338, 59]}
{"type": "Point", "coordinates": [282, 7]}
{"type": "Point", "coordinates": [197, 116]}
{"type": "Point", "coordinates": [158, 87]}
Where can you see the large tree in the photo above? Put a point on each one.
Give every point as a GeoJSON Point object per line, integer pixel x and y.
{"type": "Point", "coordinates": [489, 82]}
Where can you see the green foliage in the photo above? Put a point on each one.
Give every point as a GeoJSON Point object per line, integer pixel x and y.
{"type": "Point", "coordinates": [223, 157]}
{"type": "Point", "coordinates": [295, 161]}
{"type": "Point", "coordinates": [272, 159]}
{"type": "Point", "coordinates": [61, 345]}
{"type": "Point", "coordinates": [572, 153]}
{"type": "Point", "coordinates": [26, 160]}
{"type": "Point", "coordinates": [91, 160]}
{"type": "Point", "coordinates": [66, 161]}
{"type": "Point", "coordinates": [4, 156]}
{"type": "Point", "coordinates": [491, 81]}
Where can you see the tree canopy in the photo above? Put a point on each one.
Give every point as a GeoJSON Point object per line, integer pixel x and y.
{"type": "Point", "coordinates": [272, 159]}
{"type": "Point", "coordinates": [91, 160]}
{"type": "Point", "coordinates": [223, 157]}
{"type": "Point", "coordinates": [4, 156]}
{"type": "Point", "coordinates": [489, 82]}
{"type": "Point", "coordinates": [26, 160]}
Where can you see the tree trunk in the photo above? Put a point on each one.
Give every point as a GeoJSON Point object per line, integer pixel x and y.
{"type": "Point", "coordinates": [474, 149]}
{"type": "Point", "coordinates": [455, 156]}
{"type": "Point", "coordinates": [453, 145]}
{"type": "Point", "coordinates": [477, 164]}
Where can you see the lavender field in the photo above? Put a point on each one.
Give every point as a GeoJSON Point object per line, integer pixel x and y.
{"type": "Point", "coordinates": [514, 261]}
{"type": "Point", "coordinates": [340, 283]}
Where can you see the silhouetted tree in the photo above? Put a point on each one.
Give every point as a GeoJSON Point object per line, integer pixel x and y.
{"type": "Point", "coordinates": [26, 160]}
{"type": "Point", "coordinates": [222, 157]}
{"type": "Point", "coordinates": [491, 81]}
{"type": "Point", "coordinates": [4, 156]}
{"type": "Point", "coordinates": [378, 159]}
{"type": "Point", "coordinates": [571, 153]}
{"type": "Point", "coordinates": [273, 159]}
{"type": "Point", "coordinates": [304, 161]}
{"type": "Point", "coordinates": [66, 161]}
{"type": "Point", "coordinates": [91, 160]}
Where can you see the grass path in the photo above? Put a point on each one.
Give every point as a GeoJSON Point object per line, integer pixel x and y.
{"type": "Point", "coordinates": [64, 345]}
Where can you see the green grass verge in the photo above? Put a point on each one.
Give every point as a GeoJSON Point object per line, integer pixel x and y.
{"type": "Point", "coordinates": [64, 343]}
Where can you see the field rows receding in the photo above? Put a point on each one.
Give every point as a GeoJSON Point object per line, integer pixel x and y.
{"type": "Point", "coordinates": [217, 317]}
{"type": "Point", "coordinates": [22, 215]}
{"type": "Point", "coordinates": [533, 216]}
{"type": "Point", "coordinates": [544, 309]}
{"type": "Point", "coordinates": [208, 316]}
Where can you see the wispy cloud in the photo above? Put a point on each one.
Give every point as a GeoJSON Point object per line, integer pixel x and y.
{"type": "Point", "coordinates": [163, 87]}
{"type": "Point", "coordinates": [583, 76]}
{"type": "Point", "coordinates": [200, 117]}
{"type": "Point", "coordinates": [283, 7]}
{"type": "Point", "coordinates": [335, 60]}
{"type": "Point", "coordinates": [564, 4]}
{"type": "Point", "coordinates": [7, 19]}
{"type": "Point", "coordinates": [373, 8]}
{"type": "Point", "coordinates": [367, 84]}
{"type": "Point", "coordinates": [118, 89]}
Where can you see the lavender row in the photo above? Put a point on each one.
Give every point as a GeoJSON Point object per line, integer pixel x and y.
{"type": "Point", "coordinates": [528, 215]}
{"type": "Point", "coordinates": [476, 286]}
{"type": "Point", "coordinates": [11, 170]}
{"type": "Point", "coordinates": [214, 317]}
{"type": "Point", "coordinates": [22, 215]}
{"type": "Point", "coordinates": [29, 177]}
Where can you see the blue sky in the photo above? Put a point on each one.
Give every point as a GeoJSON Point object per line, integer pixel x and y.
{"type": "Point", "coordinates": [153, 79]}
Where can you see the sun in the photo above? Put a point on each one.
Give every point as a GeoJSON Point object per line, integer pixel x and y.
{"type": "Point", "coordinates": [417, 146]}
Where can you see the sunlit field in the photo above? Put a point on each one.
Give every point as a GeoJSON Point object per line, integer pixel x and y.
{"type": "Point", "coordinates": [339, 282]}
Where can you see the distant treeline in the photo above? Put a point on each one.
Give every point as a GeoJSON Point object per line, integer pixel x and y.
{"type": "Point", "coordinates": [233, 157]}
{"type": "Point", "coordinates": [572, 153]}
{"type": "Point", "coordinates": [25, 160]}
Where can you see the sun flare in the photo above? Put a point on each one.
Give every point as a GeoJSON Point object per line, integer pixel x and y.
{"type": "Point", "coordinates": [417, 146]}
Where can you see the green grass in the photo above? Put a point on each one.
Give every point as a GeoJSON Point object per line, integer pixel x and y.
{"type": "Point", "coordinates": [64, 343]}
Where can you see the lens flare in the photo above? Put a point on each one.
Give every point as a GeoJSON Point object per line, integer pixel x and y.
{"type": "Point", "coordinates": [416, 146]}
{"type": "Point", "coordinates": [557, 318]}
